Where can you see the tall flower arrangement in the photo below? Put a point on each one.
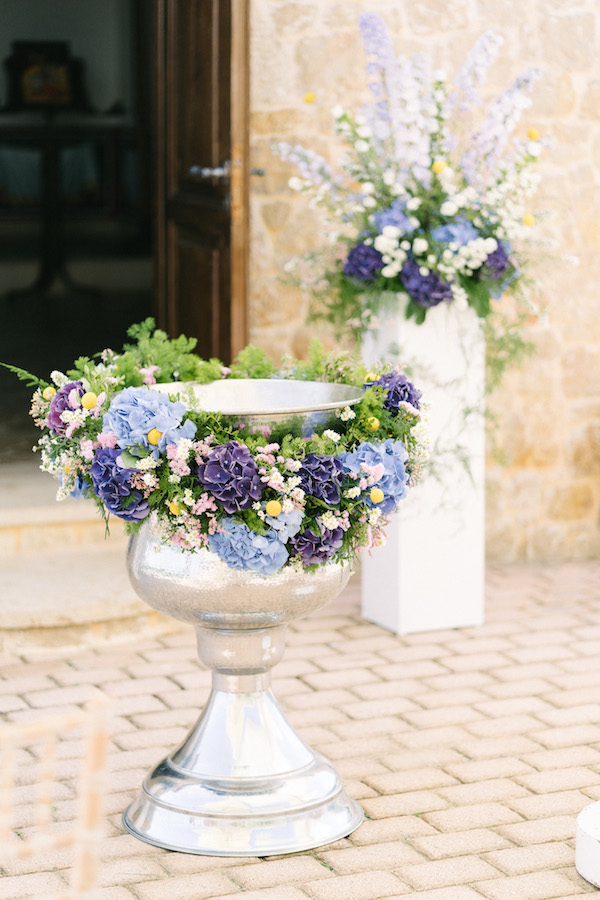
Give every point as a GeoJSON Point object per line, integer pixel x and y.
{"type": "Point", "coordinates": [420, 206]}
{"type": "Point", "coordinates": [258, 498]}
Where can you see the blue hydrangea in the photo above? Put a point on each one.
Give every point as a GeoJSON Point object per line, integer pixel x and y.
{"type": "Point", "coordinates": [393, 456]}
{"type": "Point", "coordinates": [135, 412]}
{"type": "Point", "coordinates": [286, 524]}
{"type": "Point", "coordinates": [460, 232]}
{"type": "Point", "coordinates": [242, 548]}
{"type": "Point", "coordinates": [394, 215]}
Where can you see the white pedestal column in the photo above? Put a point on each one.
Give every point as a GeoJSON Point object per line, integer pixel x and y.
{"type": "Point", "coordinates": [587, 844]}
{"type": "Point", "coordinates": [430, 574]}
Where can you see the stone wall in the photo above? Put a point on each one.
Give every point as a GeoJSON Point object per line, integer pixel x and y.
{"type": "Point", "coordinates": [544, 500]}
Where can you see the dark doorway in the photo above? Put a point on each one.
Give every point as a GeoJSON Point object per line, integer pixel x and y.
{"type": "Point", "coordinates": [76, 266]}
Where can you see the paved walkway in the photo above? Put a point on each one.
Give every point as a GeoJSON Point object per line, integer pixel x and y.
{"type": "Point", "coordinates": [471, 751]}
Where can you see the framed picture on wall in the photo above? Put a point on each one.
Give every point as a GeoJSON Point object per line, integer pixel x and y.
{"type": "Point", "coordinates": [43, 75]}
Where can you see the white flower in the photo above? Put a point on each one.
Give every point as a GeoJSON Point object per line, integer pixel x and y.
{"type": "Point", "coordinates": [448, 208]}
{"type": "Point", "coordinates": [390, 271]}
{"type": "Point", "coordinates": [389, 177]}
{"type": "Point", "coordinates": [295, 183]}
{"type": "Point", "coordinates": [391, 231]}
{"type": "Point", "coordinates": [420, 245]}
{"type": "Point", "coordinates": [368, 187]}
{"type": "Point", "coordinates": [405, 245]}
{"type": "Point", "coordinates": [328, 521]}
{"type": "Point", "coordinates": [361, 146]}
{"type": "Point", "coordinates": [147, 463]}
{"type": "Point", "coordinates": [352, 492]}
{"type": "Point", "coordinates": [385, 244]}
{"type": "Point", "coordinates": [331, 435]}
{"type": "Point", "coordinates": [346, 414]}
{"type": "Point", "coordinates": [369, 202]}
{"type": "Point", "coordinates": [364, 131]}
{"type": "Point", "coordinates": [413, 203]}
{"type": "Point", "coordinates": [59, 378]}
{"type": "Point", "coordinates": [337, 112]}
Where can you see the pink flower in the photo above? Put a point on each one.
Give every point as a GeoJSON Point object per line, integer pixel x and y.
{"type": "Point", "coordinates": [374, 473]}
{"type": "Point", "coordinates": [107, 439]}
{"type": "Point", "coordinates": [148, 373]}
{"type": "Point", "coordinates": [87, 449]}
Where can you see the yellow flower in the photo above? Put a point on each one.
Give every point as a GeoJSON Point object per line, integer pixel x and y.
{"type": "Point", "coordinates": [370, 376]}
{"type": "Point", "coordinates": [273, 508]}
{"type": "Point", "coordinates": [154, 436]}
{"type": "Point", "coordinates": [528, 219]}
{"type": "Point", "coordinates": [309, 97]}
{"type": "Point", "coordinates": [49, 392]}
{"type": "Point", "coordinates": [373, 423]}
{"type": "Point", "coordinates": [89, 400]}
{"type": "Point", "coordinates": [376, 495]}
{"type": "Point", "coordinates": [439, 165]}
{"type": "Point", "coordinates": [533, 134]}
{"type": "Point", "coordinates": [174, 508]}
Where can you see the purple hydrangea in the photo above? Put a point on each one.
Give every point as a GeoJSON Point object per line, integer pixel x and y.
{"type": "Point", "coordinates": [135, 412]}
{"type": "Point", "coordinates": [460, 232]}
{"type": "Point", "coordinates": [314, 549]}
{"type": "Point", "coordinates": [399, 389]}
{"type": "Point", "coordinates": [321, 477]}
{"type": "Point", "coordinates": [394, 215]}
{"type": "Point", "coordinates": [231, 475]}
{"type": "Point", "coordinates": [112, 484]}
{"type": "Point", "coordinates": [66, 398]}
{"type": "Point", "coordinates": [497, 264]}
{"type": "Point", "coordinates": [426, 290]}
{"type": "Point", "coordinates": [393, 456]}
{"type": "Point", "coordinates": [242, 548]}
{"type": "Point", "coordinates": [363, 263]}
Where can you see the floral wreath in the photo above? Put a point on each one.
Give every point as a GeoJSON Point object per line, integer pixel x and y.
{"type": "Point", "coordinates": [258, 498]}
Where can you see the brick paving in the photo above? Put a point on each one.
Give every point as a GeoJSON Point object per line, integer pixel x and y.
{"type": "Point", "coordinates": [472, 751]}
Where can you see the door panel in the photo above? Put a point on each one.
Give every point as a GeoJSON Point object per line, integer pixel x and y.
{"type": "Point", "coordinates": [199, 120]}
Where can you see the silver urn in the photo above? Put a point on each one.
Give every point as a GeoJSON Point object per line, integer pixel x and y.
{"type": "Point", "coordinates": [242, 783]}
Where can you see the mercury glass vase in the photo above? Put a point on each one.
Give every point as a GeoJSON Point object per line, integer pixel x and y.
{"type": "Point", "coordinates": [242, 783]}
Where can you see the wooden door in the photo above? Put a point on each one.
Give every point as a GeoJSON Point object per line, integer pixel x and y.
{"type": "Point", "coordinates": [202, 171]}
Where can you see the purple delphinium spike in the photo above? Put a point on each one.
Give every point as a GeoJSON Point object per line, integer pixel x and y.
{"type": "Point", "coordinates": [488, 144]}
{"type": "Point", "coordinates": [473, 72]}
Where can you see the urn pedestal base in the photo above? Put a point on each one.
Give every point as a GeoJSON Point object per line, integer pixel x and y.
{"type": "Point", "coordinates": [242, 784]}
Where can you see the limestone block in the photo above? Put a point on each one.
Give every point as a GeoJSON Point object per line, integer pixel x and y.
{"type": "Point", "coordinates": [572, 501]}
{"type": "Point", "coordinates": [585, 453]}
{"type": "Point", "coordinates": [553, 94]}
{"type": "Point", "coordinates": [339, 56]}
{"type": "Point", "coordinates": [565, 40]}
{"type": "Point", "coordinates": [581, 372]}
{"type": "Point", "coordinates": [547, 541]}
{"type": "Point", "coordinates": [432, 16]}
{"type": "Point", "coordinates": [294, 16]}
{"type": "Point", "coordinates": [275, 214]}
{"type": "Point", "coordinates": [584, 542]}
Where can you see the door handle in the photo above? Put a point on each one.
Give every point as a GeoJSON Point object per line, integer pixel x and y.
{"type": "Point", "coordinates": [219, 172]}
{"type": "Point", "coordinates": [208, 173]}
